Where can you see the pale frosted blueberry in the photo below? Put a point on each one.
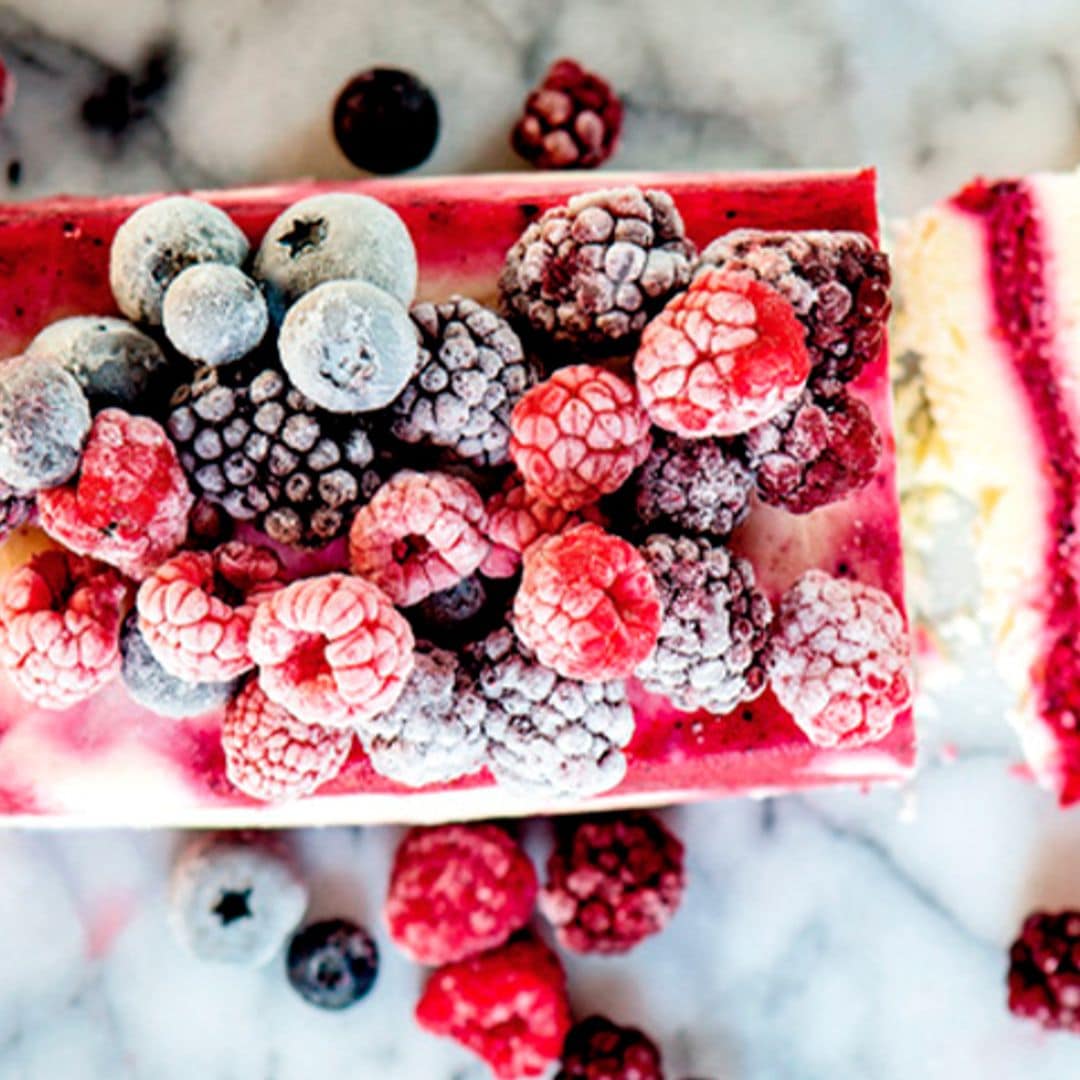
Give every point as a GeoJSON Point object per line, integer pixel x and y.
{"type": "Point", "coordinates": [214, 313]}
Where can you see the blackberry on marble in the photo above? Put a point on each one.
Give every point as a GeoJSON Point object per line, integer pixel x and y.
{"type": "Point", "coordinates": [472, 371]}
{"type": "Point", "coordinates": [714, 629]}
{"type": "Point", "coordinates": [255, 445]}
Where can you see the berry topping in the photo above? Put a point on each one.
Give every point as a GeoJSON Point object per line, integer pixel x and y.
{"type": "Point", "coordinates": [597, 1049]}
{"type": "Point", "coordinates": [508, 1006]}
{"type": "Point", "coordinates": [335, 237]}
{"type": "Point", "coordinates": [837, 282]}
{"type": "Point", "coordinates": [128, 505]}
{"type": "Point", "coordinates": [591, 273]}
{"type": "Point", "coordinates": [839, 660]}
{"type": "Point", "coordinates": [214, 313]}
{"type": "Point", "coordinates": [158, 241]}
{"type": "Point", "coordinates": [721, 357]}
{"type": "Point", "coordinates": [195, 610]}
{"type": "Point", "coordinates": [114, 362]}
{"type": "Point", "coordinates": [1044, 970]}
{"type": "Point", "coordinates": [152, 687]}
{"type": "Point", "coordinates": [578, 436]}
{"type": "Point", "coordinates": [331, 649]}
{"type": "Point", "coordinates": [472, 371]}
{"type": "Point", "coordinates": [235, 897]}
{"type": "Point", "coordinates": [715, 626]}
{"type": "Point", "coordinates": [548, 735]}
{"type": "Point", "coordinates": [458, 890]}
{"type": "Point", "coordinates": [332, 964]}
{"type": "Point", "coordinates": [587, 605]}
{"type": "Point", "coordinates": [386, 120]}
{"type": "Point", "coordinates": [693, 485]}
{"type": "Point", "coordinates": [273, 756]}
{"type": "Point", "coordinates": [612, 881]}
{"type": "Point", "coordinates": [819, 450]}
{"type": "Point", "coordinates": [571, 120]}
{"type": "Point", "coordinates": [60, 627]}
{"type": "Point", "coordinates": [268, 455]}
{"type": "Point", "coordinates": [44, 421]}
{"type": "Point", "coordinates": [421, 533]}
{"type": "Point", "coordinates": [434, 732]}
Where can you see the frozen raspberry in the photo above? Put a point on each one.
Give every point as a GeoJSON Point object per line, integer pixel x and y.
{"type": "Point", "coordinates": [695, 485]}
{"type": "Point", "coordinates": [591, 273]}
{"type": "Point", "coordinates": [723, 356]}
{"type": "Point", "coordinates": [128, 505]}
{"type": "Point", "coordinates": [15, 510]}
{"type": "Point", "coordinates": [421, 533]}
{"type": "Point", "coordinates": [597, 1049]}
{"type": "Point", "coordinates": [273, 756]}
{"type": "Point", "coordinates": [1044, 970]}
{"type": "Point", "coordinates": [612, 881]}
{"type": "Point", "coordinates": [60, 628]}
{"type": "Point", "coordinates": [839, 660]}
{"type": "Point", "coordinates": [458, 890]}
{"type": "Point", "coordinates": [578, 436]}
{"type": "Point", "coordinates": [548, 735]}
{"type": "Point", "coordinates": [587, 605]}
{"type": "Point", "coordinates": [715, 626]}
{"type": "Point", "coordinates": [434, 732]}
{"type": "Point", "coordinates": [516, 520]}
{"type": "Point", "coordinates": [331, 649]}
{"type": "Point", "coordinates": [571, 120]}
{"type": "Point", "coordinates": [819, 450]}
{"type": "Point", "coordinates": [509, 1006]}
{"type": "Point", "coordinates": [837, 282]}
{"type": "Point", "coordinates": [195, 610]}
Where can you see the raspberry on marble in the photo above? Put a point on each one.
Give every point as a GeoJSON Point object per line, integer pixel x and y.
{"type": "Point", "coordinates": [1044, 970]}
{"type": "Point", "coordinates": [597, 1049]}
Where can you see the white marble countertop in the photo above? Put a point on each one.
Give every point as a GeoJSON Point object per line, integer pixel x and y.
{"type": "Point", "coordinates": [828, 937]}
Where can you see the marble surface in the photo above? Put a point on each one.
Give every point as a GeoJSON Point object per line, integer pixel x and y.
{"type": "Point", "coordinates": [841, 936]}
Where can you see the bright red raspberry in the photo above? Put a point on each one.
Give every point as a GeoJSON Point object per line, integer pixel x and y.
{"type": "Point", "coordinates": [578, 435]}
{"type": "Point", "coordinates": [597, 1049]}
{"type": "Point", "coordinates": [420, 534]}
{"type": "Point", "coordinates": [587, 605]}
{"type": "Point", "coordinates": [612, 881]}
{"type": "Point", "coordinates": [839, 660]}
{"type": "Point", "coordinates": [273, 756]}
{"type": "Point", "coordinates": [129, 504]}
{"type": "Point", "coordinates": [1044, 970]}
{"type": "Point", "coordinates": [458, 890]}
{"type": "Point", "coordinates": [195, 609]}
{"type": "Point", "coordinates": [722, 357]}
{"type": "Point", "coordinates": [60, 628]}
{"type": "Point", "coordinates": [332, 649]}
{"type": "Point", "coordinates": [509, 1006]}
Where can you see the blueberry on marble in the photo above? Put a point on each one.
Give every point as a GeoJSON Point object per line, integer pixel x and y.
{"type": "Point", "coordinates": [332, 964]}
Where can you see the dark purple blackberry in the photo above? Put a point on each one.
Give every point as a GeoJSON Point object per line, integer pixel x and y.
{"type": "Point", "coordinates": [15, 509]}
{"type": "Point", "coordinates": [816, 452]}
{"type": "Point", "coordinates": [838, 283]}
{"type": "Point", "coordinates": [259, 448]}
{"type": "Point", "coordinates": [332, 964]}
{"type": "Point", "coordinates": [471, 373]}
{"type": "Point", "coordinates": [695, 485]}
{"type": "Point", "coordinates": [597, 1049]}
{"type": "Point", "coordinates": [1044, 970]}
{"type": "Point", "coordinates": [386, 120]}
{"type": "Point", "coordinates": [714, 628]}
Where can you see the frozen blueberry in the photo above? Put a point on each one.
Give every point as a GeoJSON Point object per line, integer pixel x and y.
{"type": "Point", "coordinates": [386, 120]}
{"type": "Point", "coordinates": [333, 963]}
{"type": "Point", "coordinates": [44, 421]}
{"type": "Point", "coordinates": [348, 346]}
{"type": "Point", "coordinates": [214, 313]}
{"type": "Point", "coordinates": [333, 237]}
{"type": "Point", "coordinates": [235, 898]}
{"type": "Point", "coordinates": [113, 361]}
{"type": "Point", "coordinates": [158, 241]}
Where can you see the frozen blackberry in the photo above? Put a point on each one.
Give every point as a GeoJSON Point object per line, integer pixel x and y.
{"type": "Point", "coordinates": [695, 485]}
{"type": "Point", "coordinates": [598, 1049]}
{"type": "Point", "coordinates": [472, 372]}
{"type": "Point", "coordinates": [837, 282]}
{"type": "Point", "coordinates": [547, 734]}
{"type": "Point", "coordinates": [714, 629]}
{"type": "Point", "coordinates": [255, 445]}
{"type": "Point", "coordinates": [1044, 970]}
{"type": "Point", "coordinates": [591, 273]}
